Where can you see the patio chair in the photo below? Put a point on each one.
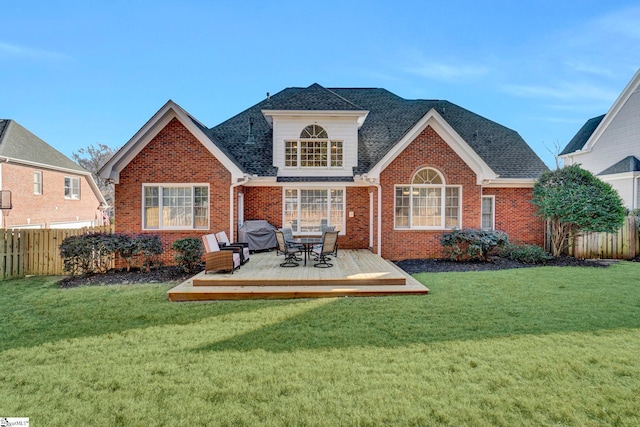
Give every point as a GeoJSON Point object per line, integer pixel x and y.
{"type": "Point", "coordinates": [288, 252]}
{"type": "Point", "coordinates": [328, 247]}
{"type": "Point", "coordinates": [288, 237]}
{"type": "Point", "coordinates": [217, 258]}
{"type": "Point", "coordinates": [223, 241]}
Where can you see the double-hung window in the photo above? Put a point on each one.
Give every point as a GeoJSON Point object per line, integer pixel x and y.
{"type": "Point", "coordinates": [37, 182]}
{"type": "Point", "coordinates": [307, 210]}
{"type": "Point", "coordinates": [72, 188]}
{"type": "Point", "coordinates": [313, 149]}
{"type": "Point", "coordinates": [488, 212]}
{"type": "Point", "coordinates": [175, 206]}
{"type": "Point", "coordinates": [427, 203]}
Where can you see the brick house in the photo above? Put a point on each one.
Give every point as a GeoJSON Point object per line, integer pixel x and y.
{"type": "Point", "coordinates": [390, 174]}
{"type": "Point", "coordinates": [48, 190]}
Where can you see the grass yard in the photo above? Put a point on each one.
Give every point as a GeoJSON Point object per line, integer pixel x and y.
{"type": "Point", "coordinates": [539, 346]}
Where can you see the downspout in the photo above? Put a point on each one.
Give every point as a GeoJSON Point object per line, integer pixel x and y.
{"type": "Point", "coordinates": [242, 181]}
{"type": "Point", "coordinates": [635, 200]}
{"type": "Point", "coordinates": [372, 181]}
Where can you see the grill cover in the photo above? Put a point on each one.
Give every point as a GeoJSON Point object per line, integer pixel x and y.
{"type": "Point", "coordinates": [258, 233]}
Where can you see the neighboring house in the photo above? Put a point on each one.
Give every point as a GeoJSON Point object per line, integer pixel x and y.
{"type": "Point", "coordinates": [609, 145]}
{"type": "Point", "coordinates": [48, 190]}
{"type": "Point", "coordinates": [390, 174]}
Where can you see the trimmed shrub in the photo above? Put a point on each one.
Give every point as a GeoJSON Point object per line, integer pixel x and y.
{"type": "Point", "coordinates": [88, 253]}
{"type": "Point", "coordinates": [528, 254]}
{"type": "Point", "coordinates": [128, 250]}
{"type": "Point", "coordinates": [150, 248]}
{"type": "Point", "coordinates": [471, 244]}
{"type": "Point", "coordinates": [188, 253]}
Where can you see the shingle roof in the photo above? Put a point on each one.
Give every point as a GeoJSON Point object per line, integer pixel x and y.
{"type": "Point", "coordinates": [628, 164]}
{"type": "Point", "coordinates": [18, 143]}
{"type": "Point", "coordinates": [580, 139]}
{"type": "Point", "coordinates": [390, 118]}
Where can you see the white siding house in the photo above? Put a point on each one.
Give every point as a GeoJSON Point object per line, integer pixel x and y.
{"type": "Point", "coordinates": [609, 145]}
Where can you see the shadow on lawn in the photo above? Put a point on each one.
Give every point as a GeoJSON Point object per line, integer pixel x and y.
{"type": "Point", "coordinates": [401, 321]}
{"type": "Point", "coordinates": [59, 314]}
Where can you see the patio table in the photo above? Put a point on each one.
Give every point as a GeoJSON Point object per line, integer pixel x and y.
{"type": "Point", "coordinates": [308, 243]}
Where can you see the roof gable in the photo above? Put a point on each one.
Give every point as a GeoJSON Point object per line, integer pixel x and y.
{"type": "Point", "coordinates": [579, 140]}
{"type": "Point", "coordinates": [111, 170]}
{"type": "Point", "coordinates": [18, 144]}
{"type": "Point", "coordinates": [606, 120]}
{"type": "Point", "coordinates": [628, 164]}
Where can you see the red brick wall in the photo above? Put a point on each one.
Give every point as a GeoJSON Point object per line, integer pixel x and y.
{"type": "Point", "coordinates": [515, 214]}
{"type": "Point", "coordinates": [173, 156]}
{"type": "Point", "coordinates": [427, 150]}
{"type": "Point", "coordinates": [50, 206]}
{"type": "Point", "coordinates": [266, 203]}
{"type": "Point", "coordinates": [176, 156]}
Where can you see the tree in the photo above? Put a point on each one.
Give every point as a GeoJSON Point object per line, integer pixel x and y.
{"type": "Point", "coordinates": [573, 200]}
{"type": "Point", "coordinates": [92, 159]}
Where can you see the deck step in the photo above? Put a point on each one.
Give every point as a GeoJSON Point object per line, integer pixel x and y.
{"type": "Point", "coordinates": [355, 273]}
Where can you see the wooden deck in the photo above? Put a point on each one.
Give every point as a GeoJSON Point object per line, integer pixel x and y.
{"type": "Point", "coordinates": [355, 273]}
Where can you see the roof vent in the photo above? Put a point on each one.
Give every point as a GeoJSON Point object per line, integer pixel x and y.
{"type": "Point", "coordinates": [251, 139]}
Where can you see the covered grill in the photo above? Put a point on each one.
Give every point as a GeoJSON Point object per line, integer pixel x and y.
{"type": "Point", "coordinates": [258, 233]}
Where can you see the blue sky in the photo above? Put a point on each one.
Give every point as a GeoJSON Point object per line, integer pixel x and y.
{"type": "Point", "coordinates": [80, 73]}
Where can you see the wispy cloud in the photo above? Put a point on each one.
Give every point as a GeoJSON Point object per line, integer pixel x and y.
{"type": "Point", "coordinates": [9, 51]}
{"type": "Point", "coordinates": [624, 23]}
{"type": "Point", "coordinates": [563, 91]}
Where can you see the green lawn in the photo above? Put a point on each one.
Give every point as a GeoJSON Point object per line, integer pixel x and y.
{"type": "Point", "coordinates": [540, 346]}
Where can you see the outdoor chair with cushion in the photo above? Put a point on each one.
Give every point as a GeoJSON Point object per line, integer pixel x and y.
{"type": "Point", "coordinates": [217, 258]}
{"type": "Point", "coordinates": [223, 241]}
{"type": "Point", "coordinates": [328, 247]}
{"type": "Point", "coordinates": [289, 252]}
{"type": "Point", "coordinates": [288, 239]}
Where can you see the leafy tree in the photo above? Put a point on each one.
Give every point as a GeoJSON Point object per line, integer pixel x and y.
{"type": "Point", "coordinates": [572, 200]}
{"type": "Point", "coordinates": [92, 159]}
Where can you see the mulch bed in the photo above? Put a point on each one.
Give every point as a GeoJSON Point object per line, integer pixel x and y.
{"type": "Point", "coordinates": [411, 266]}
{"type": "Point", "coordinates": [123, 277]}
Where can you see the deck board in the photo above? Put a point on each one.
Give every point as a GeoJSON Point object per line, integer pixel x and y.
{"type": "Point", "coordinates": [355, 273]}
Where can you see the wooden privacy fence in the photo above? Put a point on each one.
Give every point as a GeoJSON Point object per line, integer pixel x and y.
{"type": "Point", "coordinates": [625, 244]}
{"type": "Point", "coordinates": [36, 251]}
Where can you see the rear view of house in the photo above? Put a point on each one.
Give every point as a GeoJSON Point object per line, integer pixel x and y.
{"type": "Point", "coordinates": [46, 188]}
{"type": "Point", "coordinates": [388, 173]}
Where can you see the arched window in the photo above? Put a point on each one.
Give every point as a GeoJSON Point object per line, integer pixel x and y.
{"type": "Point", "coordinates": [313, 149]}
{"type": "Point", "coordinates": [427, 203]}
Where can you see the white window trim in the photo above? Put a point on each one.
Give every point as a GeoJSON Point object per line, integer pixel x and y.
{"type": "Point", "coordinates": [342, 226]}
{"type": "Point", "coordinates": [172, 185]}
{"type": "Point", "coordinates": [443, 202]}
{"type": "Point", "coordinates": [493, 210]}
{"type": "Point", "coordinates": [299, 154]}
{"type": "Point", "coordinates": [39, 173]}
{"type": "Point", "coordinates": [73, 178]}
{"type": "Point", "coordinates": [327, 142]}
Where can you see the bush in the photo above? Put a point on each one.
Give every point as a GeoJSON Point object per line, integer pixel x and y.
{"type": "Point", "coordinates": [189, 253]}
{"type": "Point", "coordinates": [150, 248]}
{"type": "Point", "coordinates": [471, 244]}
{"type": "Point", "coordinates": [88, 253]}
{"type": "Point", "coordinates": [528, 254]}
{"type": "Point", "coordinates": [128, 249]}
